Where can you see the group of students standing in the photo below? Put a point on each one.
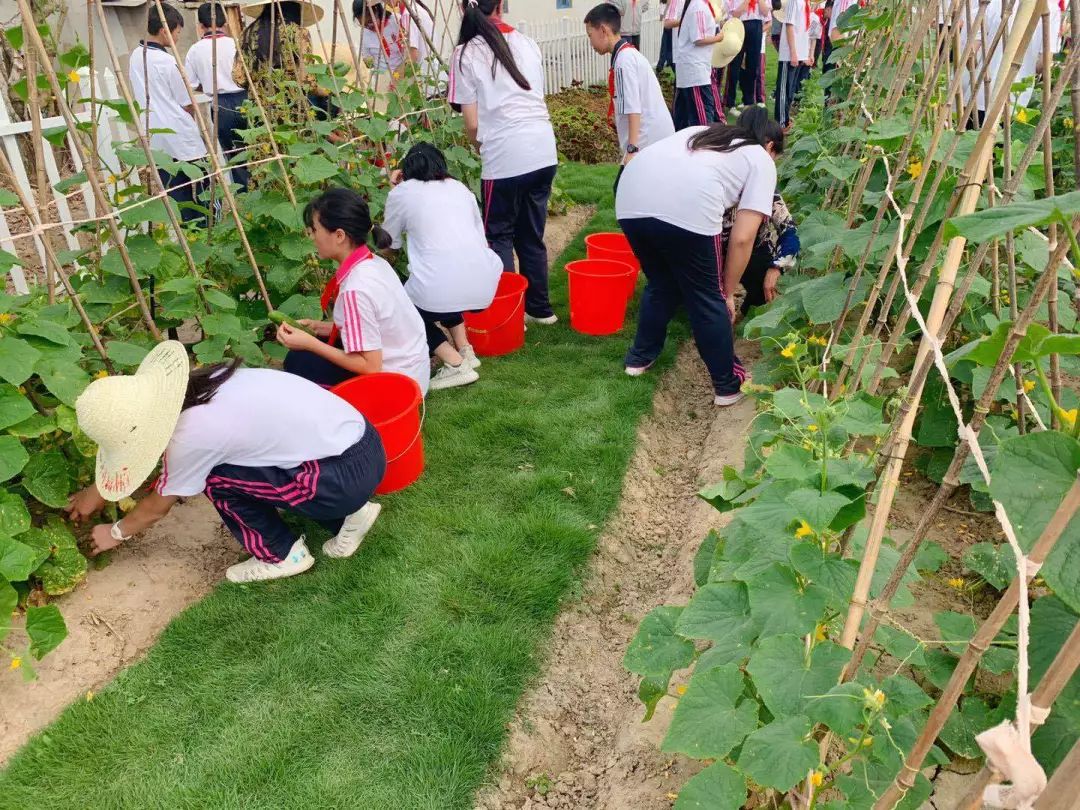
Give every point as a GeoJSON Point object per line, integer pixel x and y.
{"type": "Point", "coordinates": [697, 205]}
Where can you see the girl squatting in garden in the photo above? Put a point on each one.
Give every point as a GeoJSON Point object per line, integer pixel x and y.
{"type": "Point", "coordinates": [670, 204]}
{"type": "Point", "coordinates": [451, 268]}
{"type": "Point", "coordinates": [374, 326]}
{"type": "Point", "coordinates": [256, 441]}
{"type": "Point", "coordinates": [497, 81]}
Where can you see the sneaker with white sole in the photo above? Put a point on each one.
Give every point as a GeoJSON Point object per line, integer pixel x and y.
{"type": "Point", "coordinates": [356, 525]}
{"type": "Point", "coordinates": [297, 561]}
{"type": "Point", "coordinates": [637, 371]}
{"type": "Point", "coordinates": [469, 355]}
{"type": "Point", "coordinates": [726, 400]}
{"type": "Point", "coordinates": [452, 376]}
{"type": "Point", "coordinates": [546, 321]}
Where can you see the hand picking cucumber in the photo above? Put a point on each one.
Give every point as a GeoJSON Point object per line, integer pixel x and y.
{"type": "Point", "coordinates": [279, 317]}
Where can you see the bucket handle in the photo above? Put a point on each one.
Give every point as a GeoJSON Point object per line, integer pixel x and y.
{"type": "Point", "coordinates": [513, 314]}
{"type": "Point", "coordinates": [419, 430]}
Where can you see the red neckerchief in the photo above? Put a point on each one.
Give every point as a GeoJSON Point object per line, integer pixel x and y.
{"type": "Point", "coordinates": [1061, 6]}
{"type": "Point", "coordinates": [806, 14]}
{"type": "Point", "coordinates": [611, 78]}
{"type": "Point", "coordinates": [333, 286]}
{"type": "Point", "coordinates": [506, 29]}
{"type": "Point", "coordinates": [752, 6]}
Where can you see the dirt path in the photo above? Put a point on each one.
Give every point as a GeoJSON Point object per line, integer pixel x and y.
{"type": "Point", "coordinates": [578, 740]}
{"type": "Point", "coordinates": [117, 613]}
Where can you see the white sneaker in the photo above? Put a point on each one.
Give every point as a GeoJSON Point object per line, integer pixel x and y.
{"type": "Point", "coordinates": [726, 400]}
{"type": "Point", "coordinates": [452, 376]}
{"type": "Point", "coordinates": [298, 561]}
{"type": "Point", "coordinates": [470, 357]}
{"type": "Point", "coordinates": [356, 525]}
{"type": "Point", "coordinates": [637, 371]}
{"type": "Point", "coordinates": [548, 321]}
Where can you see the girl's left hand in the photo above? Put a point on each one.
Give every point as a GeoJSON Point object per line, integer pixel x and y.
{"type": "Point", "coordinates": [295, 339]}
{"type": "Point", "coordinates": [772, 277]}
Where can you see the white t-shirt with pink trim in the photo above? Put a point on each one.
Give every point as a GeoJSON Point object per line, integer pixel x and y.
{"type": "Point", "coordinates": [373, 312]}
{"type": "Point", "coordinates": [259, 417]}
{"type": "Point", "coordinates": [514, 128]}
{"type": "Point", "coordinates": [799, 20]}
{"type": "Point", "coordinates": [693, 63]}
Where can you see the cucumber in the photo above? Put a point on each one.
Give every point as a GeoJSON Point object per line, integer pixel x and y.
{"type": "Point", "coordinates": [279, 317]}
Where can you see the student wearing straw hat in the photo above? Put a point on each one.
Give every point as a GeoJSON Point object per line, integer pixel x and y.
{"type": "Point", "coordinates": [637, 107]}
{"type": "Point", "coordinates": [255, 441]}
{"type": "Point", "coordinates": [497, 81]}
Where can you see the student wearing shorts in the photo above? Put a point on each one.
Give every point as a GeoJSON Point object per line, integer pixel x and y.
{"type": "Point", "coordinates": [451, 268]}
{"type": "Point", "coordinates": [497, 81]}
{"type": "Point", "coordinates": [375, 326]}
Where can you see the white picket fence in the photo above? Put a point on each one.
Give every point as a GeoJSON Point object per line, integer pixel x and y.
{"type": "Point", "coordinates": [569, 59]}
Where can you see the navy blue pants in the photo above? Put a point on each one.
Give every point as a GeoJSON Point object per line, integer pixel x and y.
{"type": "Point", "coordinates": [185, 193]}
{"type": "Point", "coordinates": [229, 121]}
{"type": "Point", "coordinates": [696, 106]}
{"type": "Point", "coordinates": [515, 214]}
{"type": "Point", "coordinates": [688, 268]}
{"type": "Point", "coordinates": [666, 59]}
{"type": "Point", "coordinates": [435, 335]}
{"type": "Point", "coordinates": [326, 490]}
{"type": "Point", "coordinates": [743, 70]}
{"type": "Point", "coordinates": [318, 369]}
{"type": "Point", "coordinates": [788, 83]}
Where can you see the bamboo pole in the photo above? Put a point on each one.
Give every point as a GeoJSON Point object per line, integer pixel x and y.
{"type": "Point", "coordinates": [982, 409]}
{"type": "Point", "coordinates": [978, 645]}
{"type": "Point", "coordinates": [37, 141]}
{"type": "Point", "coordinates": [33, 215]}
{"type": "Point", "coordinates": [144, 142]}
{"type": "Point", "coordinates": [88, 160]}
{"type": "Point", "coordinates": [1074, 18]}
{"type": "Point", "coordinates": [211, 146]}
{"type": "Point", "coordinates": [1048, 170]}
{"type": "Point", "coordinates": [972, 175]}
{"type": "Point", "coordinates": [1051, 685]}
{"type": "Point", "coordinates": [1064, 786]}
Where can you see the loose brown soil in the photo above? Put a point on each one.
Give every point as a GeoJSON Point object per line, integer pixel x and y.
{"type": "Point", "coordinates": [116, 614]}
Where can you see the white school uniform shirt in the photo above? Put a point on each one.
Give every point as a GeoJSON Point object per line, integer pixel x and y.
{"type": "Point", "coordinates": [632, 12]}
{"type": "Point", "coordinates": [451, 267]}
{"type": "Point", "coordinates": [802, 33]}
{"type": "Point", "coordinates": [515, 131]}
{"type": "Point", "coordinates": [383, 57]}
{"type": "Point", "coordinates": [637, 90]}
{"type": "Point", "coordinates": [199, 64]}
{"type": "Point", "coordinates": [693, 64]}
{"type": "Point", "coordinates": [259, 417]}
{"type": "Point", "coordinates": [839, 7]}
{"type": "Point", "coordinates": [755, 10]}
{"type": "Point", "coordinates": [691, 190]}
{"type": "Point", "coordinates": [991, 23]}
{"type": "Point", "coordinates": [1034, 53]}
{"type": "Point", "coordinates": [165, 94]}
{"type": "Point", "coordinates": [373, 312]}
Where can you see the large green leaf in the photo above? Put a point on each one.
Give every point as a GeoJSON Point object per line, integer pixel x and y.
{"type": "Point", "coordinates": [823, 298]}
{"type": "Point", "coordinates": [779, 755]}
{"type": "Point", "coordinates": [974, 717]}
{"type": "Point", "coordinates": [313, 169]}
{"type": "Point", "coordinates": [17, 560]}
{"type": "Point", "coordinates": [779, 605]}
{"type": "Point", "coordinates": [789, 462]}
{"type": "Point", "coordinates": [656, 649]}
{"type": "Point", "coordinates": [718, 787]}
{"type": "Point", "coordinates": [787, 677]}
{"type": "Point", "coordinates": [47, 478]}
{"type": "Point", "coordinates": [1031, 475]}
{"type": "Point", "coordinates": [703, 559]}
{"type": "Point", "coordinates": [46, 629]}
{"type": "Point", "coordinates": [995, 564]}
{"type": "Point", "coordinates": [50, 330]}
{"type": "Point", "coordinates": [815, 507]}
{"type": "Point", "coordinates": [1038, 341]}
{"type": "Point", "coordinates": [17, 359]}
{"type": "Point", "coordinates": [65, 380]}
{"type": "Point", "coordinates": [65, 569]}
{"type": "Point", "coordinates": [126, 355]}
{"type": "Point", "coordinates": [709, 720]}
{"type": "Point", "coordinates": [9, 600]}
{"type": "Point", "coordinates": [14, 516]}
{"type": "Point", "coordinates": [841, 709]}
{"type": "Point", "coordinates": [827, 570]}
{"type": "Point", "coordinates": [985, 225]}
{"type": "Point", "coordinates": [14, 407]}
{"type": "Point", "coordinates": [13, 457]}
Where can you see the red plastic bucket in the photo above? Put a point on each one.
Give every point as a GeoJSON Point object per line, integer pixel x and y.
{"type": "Point", "coordinates": [500, 329]}
{"type": "Point", "coordinates": [391, 403]}
{"type": "Point", "coordinates": [599, 292]}
{"type": "Point", "coordinates": [613, 247]}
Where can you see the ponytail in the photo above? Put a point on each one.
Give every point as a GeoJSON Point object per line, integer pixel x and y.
{"type": "Point", "coordinates": [476, 21]}
{"type": "Point", "coordinates": [752, 127]}
{"type": "Point", "coordinates": [346, 210]}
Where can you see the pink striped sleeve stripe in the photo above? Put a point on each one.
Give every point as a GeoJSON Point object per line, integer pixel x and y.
{"type": "Point", "coordinates": [352, 335]}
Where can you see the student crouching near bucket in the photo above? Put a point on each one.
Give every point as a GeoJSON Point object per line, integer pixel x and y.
{"type": "Point", "coordinates": [497, 81]}
{"type": "Point", "coordinates": [254, 440]}
{"type": "Point", "coordinates": [670, 204]}
{"type": "Point", "coordinates": [374, 326]}
{"type": "Point", "coordinates": [451, 268]}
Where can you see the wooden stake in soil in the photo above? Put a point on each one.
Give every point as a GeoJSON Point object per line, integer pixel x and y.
{"type": "Point", "coordinates": [89, 163]}
{"type": "Point", "coordinates": [37, 141]}
{"type": "Point", "coordinates": [978, 645]}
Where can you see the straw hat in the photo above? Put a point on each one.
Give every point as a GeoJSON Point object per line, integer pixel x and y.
{"type": "Point", "coordinates": [729, 47]}
{"type": "Point", "coordinates": [783, 14]}
{"type": "Point", "coordinates": [132, 417]}
{"type": "Point", "coordinates": [310, 15]}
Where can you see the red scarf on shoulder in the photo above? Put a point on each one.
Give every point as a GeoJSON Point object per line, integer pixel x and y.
{"type": "Point", "coordinates": [333, 286]}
